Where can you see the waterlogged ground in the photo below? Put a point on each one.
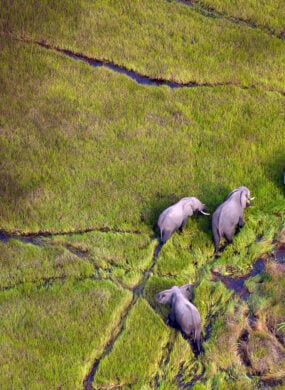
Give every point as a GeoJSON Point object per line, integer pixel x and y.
{"type": "Point", "coordinates": [109, 114]}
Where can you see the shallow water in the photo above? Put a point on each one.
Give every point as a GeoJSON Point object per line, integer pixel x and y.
{"type": "Point", "coordinates": [237, 284]}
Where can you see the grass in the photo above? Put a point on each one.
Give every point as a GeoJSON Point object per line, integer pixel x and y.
{"type": "Point", "coordinates": [92, 161]}
{"type": "Point", "coordinates": [91, 158]}
{"type": "Point", "coordinates": [137, 353]}
{"type": "Point", "coordinates": [51, 336]}
{"type": "Point", "coordinates": [121, 257]}
{"type": "Point", "coordinates": [135, 34]}
{"type": "Point", "coordinates": [268, 15]}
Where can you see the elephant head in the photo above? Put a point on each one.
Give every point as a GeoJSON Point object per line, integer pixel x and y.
{"type": "Point", "coordinates": [175, 217]}
{"type": "Point", "coordinates": [165, 296]}
{"type": "Point", "coordinates": [183, 313]}
{"type": "Point", "coordinates": [243, 194]}
{"type": "Point", "coordinates": [230, 214]}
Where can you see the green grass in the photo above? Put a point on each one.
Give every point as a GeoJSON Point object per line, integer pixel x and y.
{"type": "Point", "coordinates": [76, 157]}
{"type": "Point", "coordinates": [21, 263]}
{"type": "Point", "coordinates": [161, 39]}
{"type": "Point", "coordinates": [51, 336]}
{"type": "Point", "coordinates": [121, 257]}
{"type": "Point", "coordinates": [135, 357]}
{"type": "Point", "coordinates": [264, 14]}
{"type": "Point", "coordinates": [92, 157]}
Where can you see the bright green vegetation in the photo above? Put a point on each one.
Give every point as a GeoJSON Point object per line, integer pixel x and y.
{"type": "Point", "coordinates": [22, 263]}
{"type": "Point", "coordinates": [121, 257]}
{"type": "Point", "coordinates": [50, 336]}
{"type": "Point", "coordinates": [135, 358]}
{"type": "Point", "coordinates": [86, 148]}
{"type": "Point", "coordinates": [135, 34]}
{"type": "Point", "coordinates": [91, 158]}
{"type": "Point", "coordinates": [264, 14]}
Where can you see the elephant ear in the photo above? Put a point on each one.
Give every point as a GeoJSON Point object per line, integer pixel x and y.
{"type": "Point", "coordinates": [186, 289]}
{"type": "Point", "coordinates": [243, 199]}
{"type": "Point", "coordinates": [188, 209]}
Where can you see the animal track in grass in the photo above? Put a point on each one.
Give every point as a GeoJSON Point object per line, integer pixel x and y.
{"type": "Point", "coordinates": [211, 12]}
{"type": "Point", "coordinates": [137, 292]}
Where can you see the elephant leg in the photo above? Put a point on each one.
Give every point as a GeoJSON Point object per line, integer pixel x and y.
{"type": "Point", "coordinates": [165, 234]}
{"type": "Point", "coordinates": [229, 237]}
{"type": "Point", "coordinates": [171, 321]}
{"type": "Point", "coordinates": [240, 222]}
{"type": "Point", "coordinates": [216, 238]}
{"type": "Point", "coordinates": [182, 225]}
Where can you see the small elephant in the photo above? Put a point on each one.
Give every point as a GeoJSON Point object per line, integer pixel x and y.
{"type": "Point", "coordinates": [176, 216]}
{"type": "Point", "coordinates": [230, 214]}
{"type": "Point", "coordinates": [183, 312]}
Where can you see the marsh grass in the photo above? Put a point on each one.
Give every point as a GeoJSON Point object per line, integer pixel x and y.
{"type": "Point", "coordinates": [21, 263]}
{"type": "Point", "coordinates": [122, 257]}
{"type": "Point", "coordinates": [161, 39]}
{"type": "Point", "coordinates": [85, 149]}
{"type": "Point", "coordinates": [181, 366]}
{"type": "Point", "coordinates": [137, 353]}
{"type": "Point", "coordinates": [87, 155]}
{"type": "Point", "coordinates": [50, 336]}
{"type": "Point", "coordinates": [269, 16]}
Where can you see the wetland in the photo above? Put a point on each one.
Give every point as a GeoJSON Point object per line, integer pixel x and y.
{"type": "Point", "coordinates": [179, 101]}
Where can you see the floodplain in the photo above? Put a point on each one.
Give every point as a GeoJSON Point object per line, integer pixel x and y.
{"type": "Point", "coordinates": [89, 159]}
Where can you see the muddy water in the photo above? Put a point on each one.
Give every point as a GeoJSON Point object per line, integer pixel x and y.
{"type": "Point", "coordinates": [237, 284]}
{"type": "Point", "coordinates": [33, 239]}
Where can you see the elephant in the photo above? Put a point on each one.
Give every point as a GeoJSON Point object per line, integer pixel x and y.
{"type": "Point", "coordinates": [183, 313]}
{"type": "Point", "coordinates": [176, 216]}
{"type": "Point", "coordinates": [230, 214]}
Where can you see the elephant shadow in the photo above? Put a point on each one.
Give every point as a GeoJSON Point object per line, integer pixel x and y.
{"type": "Point", "coordinates": [152, 210]}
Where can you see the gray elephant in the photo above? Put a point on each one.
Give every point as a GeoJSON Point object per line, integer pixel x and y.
{"type": "Point", "coordinates": [183, 312]}
{"type": "Point", "coordinates": [230, 214]}
{"type": "Point", "coordinates": [176, 216]}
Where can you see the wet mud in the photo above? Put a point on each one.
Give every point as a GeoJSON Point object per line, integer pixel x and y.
{"type": "Point", "coordinates": [279, 254]}
{"type": "Point", "coordinates": [32, 239]}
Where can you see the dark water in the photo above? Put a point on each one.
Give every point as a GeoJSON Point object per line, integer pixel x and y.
{"type": "Point", "coordinates": [32, 239]}
{"type": "Point", "coordinates": [237, 284]}
{"type": "Point", "coordinates": [139, 78]}
{"type": "Point", "coordinates": [4, 237]}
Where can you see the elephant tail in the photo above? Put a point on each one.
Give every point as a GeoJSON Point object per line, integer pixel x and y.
{"type": "Point", "coordinates": [164, 235]}
{"type": "Point", "coordinates": [216, 237]}
{"type": "Point", "coordinates": [197, 336]}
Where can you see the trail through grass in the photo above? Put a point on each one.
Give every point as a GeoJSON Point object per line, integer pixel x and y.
{"type": "Point", "coordinates": [90, 158]}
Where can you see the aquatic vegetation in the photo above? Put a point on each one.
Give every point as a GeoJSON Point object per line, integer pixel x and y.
{"type": "Point", "coordinates": [89, 160]}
